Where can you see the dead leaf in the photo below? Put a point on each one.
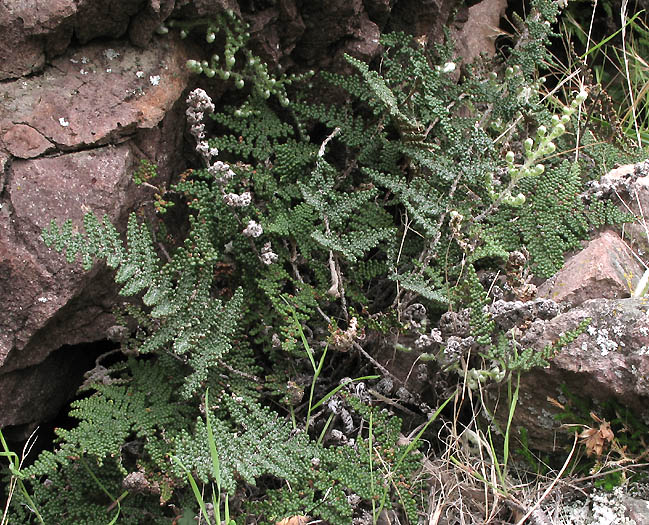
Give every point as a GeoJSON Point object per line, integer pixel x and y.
{"type": "Point", "coordinates": [555, 403]}
{"type": "Point", "coordinates": [597, 439]}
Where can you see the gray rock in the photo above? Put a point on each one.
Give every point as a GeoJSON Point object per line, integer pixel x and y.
{"type": "Point", "coordinates": [610, 360]}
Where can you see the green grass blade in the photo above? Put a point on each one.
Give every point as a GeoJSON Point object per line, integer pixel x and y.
{"type": "Point", "coordinates": [194, 486]}
{"type": "Point", "coordinates": [414, 442]}
{"type": "Point", "coordinates": [512, 407]}
{"type": "Point", "coordinates": [216, 466]}
{"type": "Point", "coordinates": [335, 390]}
{"type": "Point", "coordinates": [105, 491]}
{"type": "Point", "coordinates": [603, 42]}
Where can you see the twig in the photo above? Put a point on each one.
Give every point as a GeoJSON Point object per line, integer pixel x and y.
{"type": "Point", "coordinates": [378, 365]}
{"type": "Point", "coordinates": [607, 472]}
{"type": "Point", "coordinates": [334, 288]}
{"type": "Point", "coordinates": [326, 141]}
{"type": "Point", "coordinates": [388, 401]}
{"type": "Point", "coordinates": [241, 373]}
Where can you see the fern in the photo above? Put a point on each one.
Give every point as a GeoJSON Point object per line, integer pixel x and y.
{"type": "Point", "coordinates": [116, 414]}
{"type": "Point", "coordinates": [253, 443]}
{"type": "Point", "coordinates": [401, 195]}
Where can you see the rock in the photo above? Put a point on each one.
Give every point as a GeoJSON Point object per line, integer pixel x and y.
{"type": "Point", "coordinates": [38, 283]}
{"type": "Point", "coordinates": [97, 110]}
{"type": "Point", "coordinates": [35, 31]}
{"type": "Point", "coordinates": [378, 10]}
{"type": "Point", "coordinates": [32, 388]}
{"type": "Point", "coordinates": [27, 30]}
{"type": "Point", "coordinates": [606, 267]}
{"type": "Point", "coordinates": [207, 8]}
{"type": "Point", "coordinates": [145, 22]}
{"type": "Point", "coordinates": [507, 314]}
{"type": "Point", "coordinates": [25, 142]}
{"type": "Point", "coordinates": [478, 34]}
{"type": "Point", "coordinates": [422, 17]}
{"type": "Point", "coordinates": [610, 360]}
{"type": "Point", "coordinates": [605, 507]}
{"type": "Point", "coordinates": [97, 95]}
{"type": "Point", "coordinates": [628, 186]}
{"type": "Point", "coordinates": [104, 19]}
{"type": "Point", "coordinates": [637, 510]}
{"type": "Point", "coordinates": [328, 25]}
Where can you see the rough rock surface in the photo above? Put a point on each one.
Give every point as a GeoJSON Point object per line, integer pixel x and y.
{"type": "Point", "coordinates": [72, 137]}
{"type": "Point", "coordinates": [88, 90]}
{"type": "Point", "coordinates": [610, 360]}
{"type": "Point", "coordinates": [36, 31]}
{"type": "Point", "coordinates": [628, 186]}
{"type": "Point", "coordinates": [606, 268]}
{"type": "Point", "coordinates": [478, 34]}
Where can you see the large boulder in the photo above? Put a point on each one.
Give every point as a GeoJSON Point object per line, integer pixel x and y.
{"type": "Point", "coordinates": [71, 138]}
{"type": "Point", "coordinates": [609, 361]}
{"type": "Point", "coordinates": [605, 268]}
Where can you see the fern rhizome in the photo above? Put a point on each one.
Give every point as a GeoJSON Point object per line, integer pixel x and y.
{"type": "Point", "coordinates": [316, 231]}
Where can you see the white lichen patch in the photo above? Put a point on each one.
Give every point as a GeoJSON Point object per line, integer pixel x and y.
{"type": "Point", "coordinates": [110, 53]}
{"type": "Point", "coordinates": [64, 122]}
{"type": "Point", "coordinates": [154, 79]}
{"type": "Point", "coordinates": [600, 508]}
{"type": "Point", "coordinates": [618, 330]}
{"type": "Point", "coordinates": [139, 74]}
{"type": "Point", "coordinates": [602, 340]}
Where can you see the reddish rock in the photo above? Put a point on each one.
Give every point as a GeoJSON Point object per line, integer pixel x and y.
{"type": "Point", "coordinates": [330, 26]}
{"type": "Point", "coordinates": [144, 23]}
{"type": "Point", "coordinates": [606, 267]}
{"type": "Point", "coordinates": [478, 34]}
{"type": "Point", "coordinates": [25, 142]}
{"type": "Point", "coordinates": [365, 44]}
{"type": "Point", "coordinates": [275, 31]}
{"type": "Point", "coordinates": [207, 8]}
{"type": "Point", "coordinates": [27, 28]}
{"type": "Point", "coordinates": [133, 110]}
{"type": "Point", "coordinates": [39, 283]}
{"type": "Point", "coordinates": [98, 94]}
{"type": "Point", "coordinates": [104, 19]}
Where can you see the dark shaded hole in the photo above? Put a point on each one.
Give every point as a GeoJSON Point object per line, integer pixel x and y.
{"type": "Point", "coordinates": [56, 380]}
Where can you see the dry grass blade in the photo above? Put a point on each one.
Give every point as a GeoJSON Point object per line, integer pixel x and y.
{"type": "Point", "coordinates": [552, 485]}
